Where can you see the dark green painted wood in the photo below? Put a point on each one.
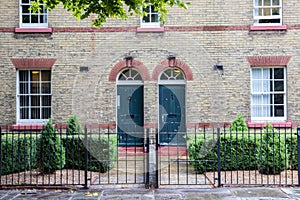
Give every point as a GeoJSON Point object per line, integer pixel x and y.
{"type": "Point", "coordinates": [130, 115]}
{"type": "Point", "coordinates": [172, 123]}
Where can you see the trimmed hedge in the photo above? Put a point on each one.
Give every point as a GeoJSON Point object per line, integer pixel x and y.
{"type": "Point", "coordinates": [238, 152]}
{"type": "Point", "coordinates": [21, 153]}
{"type": "Point", "coordinates": [102, 152]}
{"type": "Point", "coordinates": [18, 154]}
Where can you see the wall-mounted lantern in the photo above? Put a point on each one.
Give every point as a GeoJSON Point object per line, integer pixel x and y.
{"type": "Point", "coordinates": [128, 60]}
{"type": "Point", "coordinates": [219, 67]}
{"type": "Point", "coordinates": [172, 60]}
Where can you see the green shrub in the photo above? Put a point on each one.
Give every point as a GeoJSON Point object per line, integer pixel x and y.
{"type": "Point", "coordinates": [237, 153]}
{"type": "Point", "coordinates": [74, 126]}
{"type": "Point", "coordinates": [102, 152]}
{"type": "Point", "coordinates": [239, 124]}
{"type": "Point", "coordinates": [50, 150]}
{"type": "Point", "coordinates": [18, 154]}
{"type": "Point", "coordinates": [271, 152]}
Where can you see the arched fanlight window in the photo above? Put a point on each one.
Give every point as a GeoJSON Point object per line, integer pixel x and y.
{"type": "Point", "coordinates": [131, 75]}
{"type": "Point", "coordinates": [172, 74]}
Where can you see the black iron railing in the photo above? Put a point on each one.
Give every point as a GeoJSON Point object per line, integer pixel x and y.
{"type": "Point", "coordinates": [203, 156]}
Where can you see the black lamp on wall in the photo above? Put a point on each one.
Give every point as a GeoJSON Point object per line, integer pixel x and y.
{"type": "Point", "coordinates": [128, 60]}
{"type": "Point", "coordinates": [172, 60]}
{"type": "Point", "coordinates": [219, 67]}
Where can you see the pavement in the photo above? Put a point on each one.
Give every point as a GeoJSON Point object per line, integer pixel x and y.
{"type": "Point", "coordinates": [251, 193]}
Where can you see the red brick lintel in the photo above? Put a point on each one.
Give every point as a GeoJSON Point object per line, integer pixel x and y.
{"type": "Point", "coordinates": [261, 61]}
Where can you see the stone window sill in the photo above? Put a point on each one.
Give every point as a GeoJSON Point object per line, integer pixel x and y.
{"type": "Point", "coordinates": [27, 127]}
{"type": "Point", "coordinates": [151, 30]}
{"type": "Point", "coordinates": [268, 28]}
{"type": "Point", "coordinates": [33, 30]}
{"type": "Point", "coordinates": [284, 124]}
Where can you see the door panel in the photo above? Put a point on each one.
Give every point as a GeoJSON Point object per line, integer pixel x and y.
{"type": "Point", "coordinates": [172, 114]}
{"type": "Point", "coordinates": [130, 115]}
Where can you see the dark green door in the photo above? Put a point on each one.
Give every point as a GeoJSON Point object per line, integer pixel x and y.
{"type": "Point", "coordinates": [130, 115]}
{"type": "Point", "coordinates": [172, 123]}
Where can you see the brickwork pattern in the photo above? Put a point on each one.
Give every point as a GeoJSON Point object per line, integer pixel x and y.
{"type": "Point", "coordinates": [211, 96]}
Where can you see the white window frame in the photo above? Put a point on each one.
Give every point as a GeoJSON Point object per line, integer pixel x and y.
{"type": "Point", "coordinates": [32, 121]}
{"type": "Point", "coordinates": [44, 12]}
{"type": "Point", "coordinates": [150, 24]}
{"type": "Point", "coordinates": [265, 92]}
{"type": "Point", "coordinates": [257, 17]}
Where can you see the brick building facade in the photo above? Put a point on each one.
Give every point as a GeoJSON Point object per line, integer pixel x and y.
{"type": "Point", "coordinates": [233, 58]}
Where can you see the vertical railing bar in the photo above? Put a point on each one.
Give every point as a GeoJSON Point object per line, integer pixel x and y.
{"type": "Point", "coordinates": [18, 157]}
{"type": "Point", "coordinates": [1, 155]}
{"type": "Point", "coordinates": [219, 156]}
{"type": "Point", "coordinates": [147, 159]}
{"type": "Point", "coordinates": [236, 157]}
{"type": "Point", "coordinates": [243, 155]}
{"type": "Point", "coordinates": [85, 159]}
{"type": "Point", "coordinates": [249, 144]}
{"type": "Point", "coordinates": [158, 174]}
{"type": "Point", "coordinates": [186, 157]}
{"type": "Point", "coordinates": [298, 151]}
{"type": "Point", "coordinates": [177, 156]}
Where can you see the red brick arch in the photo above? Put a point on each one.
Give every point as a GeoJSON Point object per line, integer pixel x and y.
{"type": "Point", "coordinates": [122, 65]}
{"type": "Point", "coordinates": [179, 64]}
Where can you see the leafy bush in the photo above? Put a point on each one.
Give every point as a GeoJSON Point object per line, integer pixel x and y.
{"type": "Point", "coordinates": [239, 124]}
{"type": "Point", "coordinates": [74, 126]}
{"type": "Point", "coordinates": [271, 152]}
{"type": "Point", "coordinates": [236, 153]}
{"type": "Point", "coordinates": [50, 150]}
{"type": "Point", "coordinates": [102, 152]}
{"type": "Point", "coordinates": [18, 154]}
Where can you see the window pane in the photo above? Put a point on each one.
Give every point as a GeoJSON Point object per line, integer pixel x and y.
{"type": "Point", "coordinates": [25, 19]}
{"type": "Point", "coordinates": [34, 19]}
{"type": "Point", "coordinates": [256, 86]}
{"type": "Point", "coordinates": [35, 113]}
{"type": "Point", "coordinates": [267, 12]}
{"type": "Point", "coordinates": [146, 18]}
{"type": "Point", "coordinates": [23, 75]}
{"type": "Point", "coordinates": [278, 98]}
{"type": "Point", "coordinates": [23, 88]}
{"type": "Point", "coordinates": [25, 9]}
{"type": "Point", "coordinates": [279, 111]}
{"type": "Point", "coordinates": [279, 86]}
{"type": "Point", "coordinates": [24, 101]}
{"type": "Point", "coordinates": [46, 88]}
{"type": "Point", "coordinates": [275, 2]}
{"type": "Point", "coordinates": [278, 73]}
{"type": "Point", "coordinates": [46, 100]}
{"type": "Point", "coordinates": [24, 114]}
{"type": "Point", "coordinates": [46, 113]}
{"type": "Point", "coordinates": [46, 75]}
{"type": "Point", "coordinates": [275, 11]}
{"type": "Point", "coordinates": [35, 88]}
{"type": "Point", "coordinates": [267, 2]}
{"type": "Point", "coordinates": [25, 1]}
{"type": "Point", "coordinates": [35, 101]}
{"type": "Point", "coordinates": [154, 18]}
{"type": "Point", "coordinates": [35, 76]}
{"type": "Point", "coordinates": [163, 77]}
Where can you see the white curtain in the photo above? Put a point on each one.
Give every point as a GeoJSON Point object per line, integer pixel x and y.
{"type": "Point", "coordinates": [261, 93]}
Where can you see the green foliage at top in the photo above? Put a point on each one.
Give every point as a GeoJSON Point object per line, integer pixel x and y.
{"type": "Point", "coordinates": [74, 126]}
{"type": "Point", "coordinates": [102, 10]}
{"type": "Point", "coordinates": [239, 124]}
{"type": "Point", "coordinates": [271, 152]}
{"type": "Point", "coordinates": [51, 150]}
